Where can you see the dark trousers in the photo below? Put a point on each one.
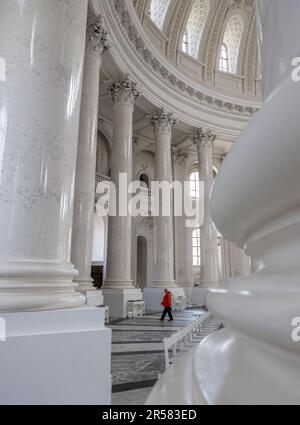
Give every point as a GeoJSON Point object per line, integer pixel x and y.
{"type": "Point", "coordinates": [169, 311]}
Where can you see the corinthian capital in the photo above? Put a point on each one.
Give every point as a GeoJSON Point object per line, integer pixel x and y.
{"type": "Point", "coordinates": [204, 139]}
{"type": "Point", "coordinates": [97, 40]}
{"type": "Point", "coordinates": [162, 121]}
{"type": "Point", "coordinates": [124, 90]}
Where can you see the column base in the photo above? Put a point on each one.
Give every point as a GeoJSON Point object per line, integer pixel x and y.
{"type": "Point", "coordinates": [118, 284]}
{"type": "Point", "coordinates": [44, 353]}
{"type": "Point", "coordinates": [153, 297]}
{"type": "Point", "coordinates": [208, 284]}
{"type": "Point", "coordinates": [36, 286]}
{"type": "Point", "coordinates": [117, 300]}
{"type": "Point", "coordinates": [164, 284]}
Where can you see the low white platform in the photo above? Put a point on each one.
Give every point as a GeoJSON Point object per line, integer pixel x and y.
{"type": "Point", "coordinates": [56, 357]}
{"type": "Point", "coordinates": [199, 296]}
{"type": "Point", "coordinates": [94, 297]}
{"type": "Point", "coordinates": [153, 297]}
{"type": "Point", "coordinates": [117, 300]}
{"type": "Point", "coordinates": [188, 291]}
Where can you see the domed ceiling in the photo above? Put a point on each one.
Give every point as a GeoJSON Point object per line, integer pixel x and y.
{"type": "Point", "coordinates": [212, 41]}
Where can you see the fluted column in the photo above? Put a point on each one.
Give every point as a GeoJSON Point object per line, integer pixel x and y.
{"type": "Point", "coordinates": [208, 247]}
{"type": "Point", "coordinates": [83, 222]}
{"type": "Point", "coordinates": [183, 234]}
{"type": "Point", "coordinates": [162, 123]}
{"type": "Point", "coordinates": [42, 43]}
{"type": "Point", "coordinates": [118, 273]}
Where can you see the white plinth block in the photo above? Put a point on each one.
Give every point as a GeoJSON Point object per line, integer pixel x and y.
{"type": "Point", "coordinates": [117, 300]}
{"type": "Point", "coordinates": [56, 357]}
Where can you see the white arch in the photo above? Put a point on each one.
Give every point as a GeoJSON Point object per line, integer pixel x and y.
{"type": "Point", "coordinates": [158, 11]}
{"type": "Point", "coordinates": [195, 26]}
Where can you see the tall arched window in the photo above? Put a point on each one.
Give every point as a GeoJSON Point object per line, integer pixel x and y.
{"type": "Point", "coordinates": [194, 185]}
{"type": "Point", "coordinates": [232, 41]}
{"type": "Point", "coordinates": [158, 11]}
{"type": "Point", "coordinates": [144, 179]}
{"type": "Point", "coordinates": [195, 26]}
{"type": "Point", "coordinates": [224, 59]}
{"type": "Point", "coordinates": [196, 247]}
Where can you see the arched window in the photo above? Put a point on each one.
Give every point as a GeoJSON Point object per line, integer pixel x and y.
{"type": "Point", "coordinates": [195, 26]}
{"type": "Point", "coordinates": [194, 185]}
{"type": "Point", "coordinates": [224, 59]}
{"type": "Point", "coordinates": [144, 179]}
{"type": "Point", "coordinates": [196, 247]}
{"type": "Point", "coordinates": [232, 41]}
{"type": "Point", "coordinates": [185, 42]}
{"type": "Point", "coordinates": [158, 11]}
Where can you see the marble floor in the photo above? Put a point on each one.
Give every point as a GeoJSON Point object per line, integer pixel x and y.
{"type": "Point", "coordinates": [137, 353]}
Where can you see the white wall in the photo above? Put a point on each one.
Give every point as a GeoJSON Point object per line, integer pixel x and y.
{"type": "Point", "coordinates": [103, 155]}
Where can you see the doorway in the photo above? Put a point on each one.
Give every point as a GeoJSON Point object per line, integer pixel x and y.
{"type": "Point", "coordinates": [141, 263]}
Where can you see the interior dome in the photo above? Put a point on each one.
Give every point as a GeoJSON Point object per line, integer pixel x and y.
{"type": "Point", "coordinates": [214, 42]}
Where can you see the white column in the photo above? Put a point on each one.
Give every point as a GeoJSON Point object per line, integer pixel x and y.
{"type": "Point", "coordinates": [83, 221]}
{"type": "Point", "coordinates": [51, 351]}
{"type": "Point", "coordinates": [42, 43]}
{"type": "Point", "coordinates": [208, 247]}
{"type": "Point", "coordinates": [118, 280]}
{"type": "Point", "coordinates": [163, 122]}
{"type": "Point", "coordinates": [184, 254]}
{"type": "Point", "coordinates": [183, 235]}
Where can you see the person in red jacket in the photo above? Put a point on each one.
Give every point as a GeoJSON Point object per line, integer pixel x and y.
{"type": "Point", "coordinates": [167, 304]}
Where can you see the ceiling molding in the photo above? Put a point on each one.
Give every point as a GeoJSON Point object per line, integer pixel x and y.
{"type": "Point", "coordinates": [163, 85]}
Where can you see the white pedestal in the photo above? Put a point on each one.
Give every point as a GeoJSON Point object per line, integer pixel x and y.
{"type": "Point", "coordinates": [56, 357]}
{"type": "Point", "coordinates": [117, 300]}
{"type": "Point", "coordinates": [188, 291]}
{"type": "Point", "coordinates": [94, 297]}
{"type": "Point", "coordinates": [153, 297]}
{"type": "Point", "coordinates": [199, 296]}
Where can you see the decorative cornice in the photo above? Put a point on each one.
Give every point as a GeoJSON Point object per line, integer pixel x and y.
{"type": "Point", "coordinates": [204, 139]}
{"type": "Point", "coordinates": [124, 90]}
{"type": "Point", "coordinates": [97, 38]}
{"type": "Point", "coordinates": [166, 76]}
{"type": "Point", "coordinates": [162, 121]}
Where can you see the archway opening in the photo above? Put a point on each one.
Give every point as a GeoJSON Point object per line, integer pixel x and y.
{"type": "Point", "coordinates": [144, 179]}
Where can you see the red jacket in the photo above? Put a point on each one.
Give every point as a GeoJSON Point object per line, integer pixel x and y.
{"type": "Point", "coordinates": [167, 300]}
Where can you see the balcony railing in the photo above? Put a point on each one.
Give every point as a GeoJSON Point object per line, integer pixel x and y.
{"type": "Point", "coordinates": [101, 178]}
